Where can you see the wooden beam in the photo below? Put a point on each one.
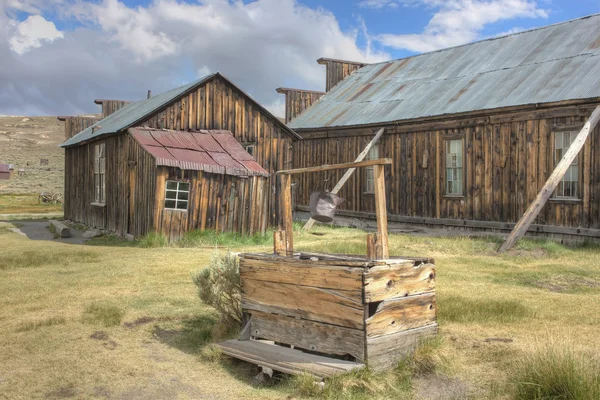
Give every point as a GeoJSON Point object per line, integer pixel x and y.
{"type": "Point", "coordinates": [374, 250]}
{"type": "Point", "coordinates": [327, 167]}
{"type": "Point", "coordinates": [381, 209]}
{"type": "Point", "coordinates": [350, 171]}
{"type": "Point", "coordinates": [552, 182]}
{"type": "Point", "coordinates": [279, 243]}
{"type": "Point", "coordinates": [286, 212]}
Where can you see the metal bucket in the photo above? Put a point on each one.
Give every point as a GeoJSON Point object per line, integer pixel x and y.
{"type": "Point", "coordinates": [322, 206]}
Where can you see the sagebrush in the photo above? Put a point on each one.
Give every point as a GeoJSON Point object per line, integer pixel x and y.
{"type": "Point", "coordinates": [219, 286]}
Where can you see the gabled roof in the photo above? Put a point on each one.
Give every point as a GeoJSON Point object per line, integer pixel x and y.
{"type": "Point", "coordinates": [214, 151]}
{"type": "Point", "coordinates": [132, 113]}
{"type": "Point", "coordinates": [550, 64]}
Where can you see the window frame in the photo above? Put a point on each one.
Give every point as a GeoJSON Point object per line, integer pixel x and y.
{"type": "Point", "coordinates": [576, 162]}
{"type": "Point", "coordinates": [371, 170]}
{"type": "Point", "coordinates": [99, 173]}
{"type": "Point", "coordinates": [252, 146]}
{"type": "Point", "coordinates": [445, 140]}
{"type": "Point", "coordinates": [178, 190]}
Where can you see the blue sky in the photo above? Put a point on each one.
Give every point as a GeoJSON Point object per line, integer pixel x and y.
{"type": "Point", "coordinates": [58, 55]}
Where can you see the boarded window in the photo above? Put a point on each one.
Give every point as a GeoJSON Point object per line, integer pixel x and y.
{"type": "Point", "coordinates": [454, 167]}
{"type": "Point", "coordinates": [569, 185]}
{"type": "Point", "coordinates": [177, 195]}
{"type": "Point", "coordinates": [373, 154]}
{"type": "Point", "coordinates": [99, 173]}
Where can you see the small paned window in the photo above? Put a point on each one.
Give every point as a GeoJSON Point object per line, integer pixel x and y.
{"type": "Point", "coordinates": [177, 195]}
{"type": "Point", "coordinates": [373, 154]}
{"type": "Point", "coordinates": [454, 167]}
{"type": "Point", "coordinates": [99, 173]}
{"type": "Point", "coordinates": [569, 185]}
{"type": "Point", "coordinates": [250, 149]}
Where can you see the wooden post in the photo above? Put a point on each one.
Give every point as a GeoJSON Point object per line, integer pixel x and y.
{"type": "Point", "coordinates": [374, 249]}
{"type": "Point", "coordinates": [286, 211]}
{"type": "Point", "coordinates": [309, 224]}
{"type": "Point", "coordinates": [279, 243]}
{"type": "Point", "coordinates": [552, 182]}
{"type": "Point", "coordinates": [381, 209]}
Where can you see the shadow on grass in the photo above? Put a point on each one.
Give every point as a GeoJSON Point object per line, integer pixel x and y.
{"type": "Point", "coordinates": [189, 335]}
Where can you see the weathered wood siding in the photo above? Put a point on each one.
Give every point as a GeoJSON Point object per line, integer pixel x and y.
{"type": "Point", "coordinates": [224, 203]}
{"type": "Point", "coordinates": [130, 182]}
{"type": "Point", "coordinates": [337, 70]}
{"type": "Point", "coordinates": [508, 157]}
{"type": "Point", "coordinates": [74, 125]}
{"type": "Point", "coordinates": [110, 106]}
{"type": "Point", "coordinates": [297, 100]}
{"type": "Point", "coordinates": [218, 105]}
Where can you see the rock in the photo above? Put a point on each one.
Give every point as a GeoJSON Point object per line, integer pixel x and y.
{"type": "Point", "coordinates": [26, 120]}
{"type": "Point", "coordinates": [260, 379]}
{"type": "Point", "coordinates": [90, 234]}
{"type": "Point", "coordinates": [129, 237]}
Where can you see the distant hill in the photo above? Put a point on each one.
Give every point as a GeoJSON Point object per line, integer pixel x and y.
{"type": "Point", "coordinates": [24, 142]}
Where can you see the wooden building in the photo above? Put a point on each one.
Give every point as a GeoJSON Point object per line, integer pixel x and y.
{"type": "Point", "coordinates": [4, 172]}
{"type": "Point", "coordinates": [474, 132]}
{"type": "Point", "coordinates": [75, 124]}
{"type": "Point", "coordinates": [113, 181]}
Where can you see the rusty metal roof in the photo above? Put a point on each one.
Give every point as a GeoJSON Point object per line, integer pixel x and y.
{"type": "Point", "coordinates": [214, 151]}
{"type": "Point", "coordinates": [135, 112]}
{"type": "Point", "coordinates": [550, 64]}
{"type": "Point", "coordinates": [4, 168]}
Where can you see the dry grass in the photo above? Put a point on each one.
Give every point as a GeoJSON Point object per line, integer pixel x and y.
{"type": "Point", "coordinates": [24, 142]}
{"type": "Point", "coordinates": [492, 311]}
{"type": "Point", "coordinates": [26, 204]}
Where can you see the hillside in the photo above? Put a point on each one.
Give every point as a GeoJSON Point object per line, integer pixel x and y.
{"type": "Point", "coordinates": [24, 141]}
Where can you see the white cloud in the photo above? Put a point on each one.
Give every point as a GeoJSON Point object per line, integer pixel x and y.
{"type": "Point", "coordinates": [31, 33]}
{"type": "Point", "coordinates": [457, 22]}
{"type": "Point", "coordinates": [378, 4]}
{"type": "Point", "coordinates": [121, 51]}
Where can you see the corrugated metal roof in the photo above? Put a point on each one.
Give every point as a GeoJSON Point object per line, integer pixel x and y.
{"type": "Point", "coordinates": [215, 151]}
{"type": "Point", "coordinates": [132, 113]}
{"type": "Point", "coordinates": [4, 168]}
{"type": "Point", "coordinates": [551, 64]}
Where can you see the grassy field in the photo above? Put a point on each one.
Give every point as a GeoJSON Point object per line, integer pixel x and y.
{"type": "Point", "coordinates": [117, 322]}
{"type": "Point", "coordinates": [21, 203]}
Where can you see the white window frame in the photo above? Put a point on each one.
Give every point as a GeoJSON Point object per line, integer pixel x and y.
{"type": "Point", "coordinates": [373, 154]}
{"type": "Point", "coordinates": [568, 187]}
{"type": "Point", "coordinates": [176, 192]}
{"type": "Point", "coordinates": [454, 167]}
{"type": "Point", "coordinates": [100, 173]}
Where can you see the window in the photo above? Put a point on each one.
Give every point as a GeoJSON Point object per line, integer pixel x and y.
{"type": "Point", "coordinates": [249, 149]}
{"type": "Point", "coordinates": [372, 155]}
{"type": "Point", "coordinates": [99, 173]}
{"type": "Point", "coordinates": [454, 167]}
{"type": "Point", "coordinates": [569, 185]}
{"type": "Point", "coordinates": [177, 195]}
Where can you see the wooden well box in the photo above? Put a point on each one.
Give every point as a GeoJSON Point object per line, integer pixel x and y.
{"type": "Point", "coordinates": [344, 307]}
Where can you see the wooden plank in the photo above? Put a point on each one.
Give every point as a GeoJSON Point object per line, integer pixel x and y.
{"type": "Point", "coordinates": [385, 352]}
{"type": "Point", "coordinates": [374, 246]}
{"type": "Point", "coordinates": [336, 307]}
{"type": "Point", "coordinates": [551, 183]}
{"type": "Point", "coordinates": [279, 243]}
{"type": "Point", "coordinates": [283, 359]}
{"type": "Point", "coordinates": [305, 274]}
{"type": "Point", "coordinates": [398, 280]}
{"type": "Point", "coordinates": [381, 209]}
{"type": "Point", "coordinates": [350, 171]}
{"type": "Point", "coordinates": [286, 211]}
{"type": "Point", "coordinates": [320, 168]}
{"type": "Point", "coordinates": [309, 335]}
{"type": "Point", "coordinates": [401, 314]}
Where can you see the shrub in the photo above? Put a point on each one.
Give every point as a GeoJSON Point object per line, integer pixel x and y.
{"type": "Point", "coordinates": [106, 314]}
{"type": "Point", "coordinates": [153, 240]}
{"type": "Point", "coordinates": [556, 371]}
{"type": "Point", "coordinates": [218, 286]}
